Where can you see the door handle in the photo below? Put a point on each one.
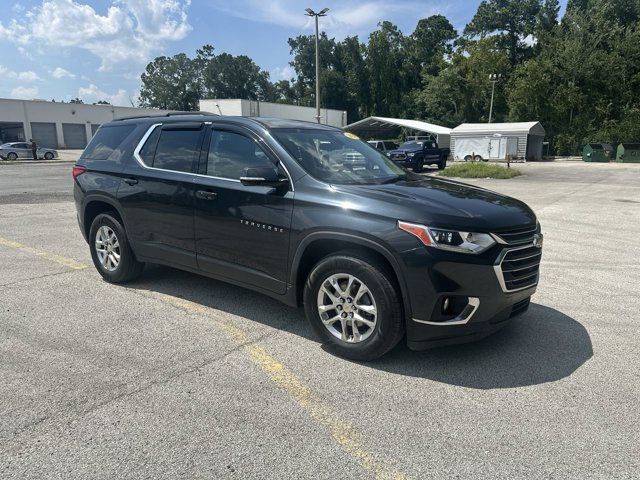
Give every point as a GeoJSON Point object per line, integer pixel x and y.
{"type": "Point", "coordinates": [206, 195]}
{"type": "Point", "coordinates": [131, 181]}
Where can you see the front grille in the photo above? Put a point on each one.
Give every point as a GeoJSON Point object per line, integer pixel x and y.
{"type": "Point", "coordinates": [519, 268]}
{"type": "Point", "coordinates": [519, 236]}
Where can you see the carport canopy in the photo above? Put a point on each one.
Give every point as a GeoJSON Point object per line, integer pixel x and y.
{"type": "Point", "coordinates": [384, 128]}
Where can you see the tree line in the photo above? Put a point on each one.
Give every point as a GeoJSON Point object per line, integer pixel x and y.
{"type": "Point", "coordinates": [579, 75]}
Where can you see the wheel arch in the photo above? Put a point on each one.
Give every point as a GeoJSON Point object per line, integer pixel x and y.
{"type": "Point", "coordinates": [94, 206]}
{"type": "Point", "coordinates": [320, 244]}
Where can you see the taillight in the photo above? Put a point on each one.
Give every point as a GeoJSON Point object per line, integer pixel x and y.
{"type": "Point", "coordinates": [78, 170]}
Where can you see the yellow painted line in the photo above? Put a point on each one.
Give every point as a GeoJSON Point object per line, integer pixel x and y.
{"type": "Point", "coordinates": [279, 374]}
{"type": "Point", "coordinates": [341, 431]}
{"type": "Point", "coordinates": [67, 262]}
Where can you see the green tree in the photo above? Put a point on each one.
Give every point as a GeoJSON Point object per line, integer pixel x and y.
{"type": "Point", "coordinates": [510, 21]}
{"type": "Point", "coordinates": [171, 83]}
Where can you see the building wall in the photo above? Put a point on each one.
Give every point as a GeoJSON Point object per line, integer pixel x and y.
{"type": "Point", "coordinates": [253, 108]}
{"type": "Point", "coordinates": [28, 111]}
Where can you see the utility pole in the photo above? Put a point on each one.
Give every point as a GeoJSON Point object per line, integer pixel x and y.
{"type": "Point", "coordinates": [494, 78]}
{"type": "Point", "coordinates": [321, 13]}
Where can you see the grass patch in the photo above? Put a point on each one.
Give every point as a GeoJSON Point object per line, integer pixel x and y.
{"type": "Point", "coordinates": [480, 170]}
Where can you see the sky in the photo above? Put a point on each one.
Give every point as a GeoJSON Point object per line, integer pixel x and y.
{"type": "Point", "coordinates": [97, 49]}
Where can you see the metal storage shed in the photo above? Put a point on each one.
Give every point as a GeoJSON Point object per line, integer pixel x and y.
{"type": "Point", "coordinates": [628, 153]}
{"type": "Point", "coordinates": [529, 137]}
{"type": "Point", "coordinates": [384, 128]}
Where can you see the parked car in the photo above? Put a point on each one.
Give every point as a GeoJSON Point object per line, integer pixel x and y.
{"type": "Point", "coordinates": [374, 254]}
{"type": "Point", "coordinates": [416, 154]}
{"type": "Point", "coordinates": [15, 150]}
{"type": "Point", "coordinates": [384, 146]}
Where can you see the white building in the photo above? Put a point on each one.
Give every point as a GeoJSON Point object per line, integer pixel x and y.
{"type": "Point", "coordinates": [58, 125]}
{"type": "Point", "coordinates": [254, 108]}
{"type": "Point", "coordinates": [494, 141]}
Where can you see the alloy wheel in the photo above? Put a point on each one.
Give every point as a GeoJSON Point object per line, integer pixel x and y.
{"type": "Point", "coordinates": [347, 308]}
{"type": "Point", "coordinates": [107, 248]}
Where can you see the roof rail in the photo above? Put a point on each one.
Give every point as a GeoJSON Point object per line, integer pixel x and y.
{"type": "Point", "coordinates": [170, 114]}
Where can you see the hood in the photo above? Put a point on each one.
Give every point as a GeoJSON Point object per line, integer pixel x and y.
{"type": "Point", "coordinates": [443, 203]}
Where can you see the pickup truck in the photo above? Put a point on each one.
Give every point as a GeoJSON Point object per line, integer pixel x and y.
{"type": "Point", "coordinates": [416, 154]}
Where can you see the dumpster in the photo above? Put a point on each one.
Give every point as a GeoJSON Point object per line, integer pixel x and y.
{"type": "Point", "coordinates": [598, 152]}
{"type": "Point", "coordinates": [628, 153]}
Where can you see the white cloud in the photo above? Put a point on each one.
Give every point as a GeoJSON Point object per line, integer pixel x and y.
{"type": "Point", "coordinates": [28, 76]}
{"type": "Point", "coordinates": [92, 94]}
{"type": "Point", "coordinates": [131, 30]}
{"type": "Point", "coordinates": [26, 93]}
{"type": "Point", "coordinates": [285, 73]}
{"type": "Point", "coordinates": [21, 76]}
{"type": "Point", "coordinates": [60, 72]}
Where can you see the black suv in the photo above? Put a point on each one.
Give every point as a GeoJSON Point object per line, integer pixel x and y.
{"type": "Point", "coordinates": [373, 252]}
{"type": "Point", "coordinates": [416, 154]}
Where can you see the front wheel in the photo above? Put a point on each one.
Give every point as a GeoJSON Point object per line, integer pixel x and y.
{"type": "Point", "coordinates": [442, 164]}
{"type": "Point", "coordinates": [12, 156]}
{"type": "Point", "coordinates": [419, 166]}
{"type": "Point", "coordinates": [110, 250]}
{"type": "Point", "coordinates": [353, 305]}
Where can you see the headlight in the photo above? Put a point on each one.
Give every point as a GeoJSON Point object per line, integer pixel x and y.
{"type": "Point", "coordinates": [451, 240]}
{"type": "Point", "coordinates": [409, 155]}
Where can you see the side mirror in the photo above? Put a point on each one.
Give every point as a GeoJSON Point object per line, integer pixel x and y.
{"type": "Point", "coordinates": [264, 177]}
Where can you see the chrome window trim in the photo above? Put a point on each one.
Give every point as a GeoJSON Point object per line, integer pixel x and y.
{"type": "Point", "coordinates": [467, 314]}
{"type": "Point", "coordinates": [145, 137]}
{"type": "Point", "coordinates": [497, 267]}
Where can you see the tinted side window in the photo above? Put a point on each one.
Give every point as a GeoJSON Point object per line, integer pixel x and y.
{"type": "Point", "coordinates": [148, 150]}
{"type": "Point", "coordinates": [106, 142]}
{"type": "Point", "coordinates": [177, 150]}
{"type": "Point", "coordinates": [230, 154]}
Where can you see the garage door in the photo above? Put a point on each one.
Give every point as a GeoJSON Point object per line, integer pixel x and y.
{"type": "Point", "coordinates": [75, 135]}
{"type": "Point", "coordinates": [44, 134]}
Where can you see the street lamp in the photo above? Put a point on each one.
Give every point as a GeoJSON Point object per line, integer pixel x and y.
{"type": "Point", "coordinates": [494, 78]}
{"type": "Point", "coordinates": [321, 13]}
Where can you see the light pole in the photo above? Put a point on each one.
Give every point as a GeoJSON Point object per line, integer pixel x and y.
{"type": "Point", "coordinates": [321, 13]}
{"type": "Point", "coordinates": [494, 78]}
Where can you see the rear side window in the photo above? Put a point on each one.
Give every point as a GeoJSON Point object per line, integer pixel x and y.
{"type": "Point", "coordinates": [175, 150]}
{"type": "Point", "coordinates": [106, 143]}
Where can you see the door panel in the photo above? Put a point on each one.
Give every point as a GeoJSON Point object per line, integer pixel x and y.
{"type": "Point", "coordinates": [494, 148]}
{"type": "Point", "coordinates": [159, 204]}
{"type": "Point", "coordinates": [242, 232]}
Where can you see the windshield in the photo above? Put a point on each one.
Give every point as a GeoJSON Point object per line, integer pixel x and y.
{"type": "Point", "coordinates": [411, 145]}
{"type": "Point", "coordinates": [338, 157]}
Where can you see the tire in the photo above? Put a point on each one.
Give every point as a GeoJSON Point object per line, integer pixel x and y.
{"type": "Point", "coordinates": [419, 166]}
{"type": "Point", "coordinates": [12, 156]}
{"type": "Point", "coordinates": [383, 330]}
{"type": "Point", "coordinates": [48, 156]}
{"type": "Point", "coordinates": [127, 267]}
{"type": "Point", "coordinates": [468, 158]}
{"type": "Point", "coordinates": [478, 158]}
{"type": "Point", "coordinates": [442, 164]}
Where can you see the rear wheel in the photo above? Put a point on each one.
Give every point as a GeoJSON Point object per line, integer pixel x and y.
{"type": "Point", "coordinates": [12, 156]}
{"type": "Point", "coordinates": [110, 250]}
{"type": "Point", "coordinates": [48, 156]}
{"type": "Point", "coordinates": [352, 304]}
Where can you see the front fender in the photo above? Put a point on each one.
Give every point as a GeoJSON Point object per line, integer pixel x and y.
{"type": "Point", "coordinates": [357, 239]}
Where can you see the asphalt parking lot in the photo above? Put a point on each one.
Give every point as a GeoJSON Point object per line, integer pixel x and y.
{"type": "Point", "coordinates": [179, 376]}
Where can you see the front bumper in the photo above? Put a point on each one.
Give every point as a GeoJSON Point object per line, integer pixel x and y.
{"type": "Point", "coordinates": [434, 275]}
